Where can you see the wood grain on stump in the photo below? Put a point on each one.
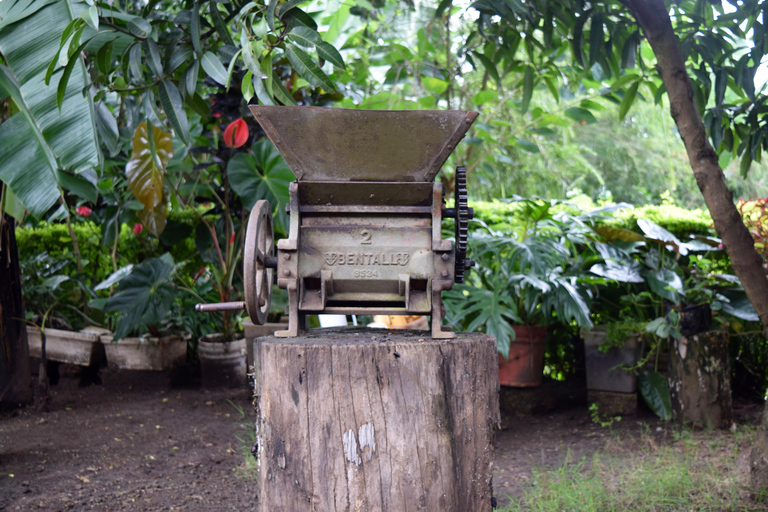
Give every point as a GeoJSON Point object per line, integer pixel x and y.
{"type": "Point", "coordinates": [362, 420]}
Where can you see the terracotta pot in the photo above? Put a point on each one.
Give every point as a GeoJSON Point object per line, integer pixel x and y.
{"type": "Point", "coordinates": [525, 365]}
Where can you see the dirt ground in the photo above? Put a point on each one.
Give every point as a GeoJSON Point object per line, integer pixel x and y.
{"type": "Point", "coordinates": [135, 442]}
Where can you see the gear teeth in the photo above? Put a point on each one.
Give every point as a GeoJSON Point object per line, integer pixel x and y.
{"type": "Point", "coordinates": [462, 222]}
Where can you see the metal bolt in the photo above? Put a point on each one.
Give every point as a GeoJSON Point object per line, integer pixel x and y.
{"type": "Point", "coordinates": [287, 256]}
{"type": "Point", "coordinates": [286, 272]}
{"type": "Point", "coordinates": [444, 256]}
{"type": "Point", "coordinates": [262, 301]}
{"type": "Point", "coordinates": [444, 273]}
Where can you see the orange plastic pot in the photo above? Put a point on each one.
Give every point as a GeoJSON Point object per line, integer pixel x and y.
{"type": "Point", "coordinates": [525, 365]}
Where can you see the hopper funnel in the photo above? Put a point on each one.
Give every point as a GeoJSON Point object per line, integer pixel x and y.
{"type": "Point", "coordinates": [335, 144]}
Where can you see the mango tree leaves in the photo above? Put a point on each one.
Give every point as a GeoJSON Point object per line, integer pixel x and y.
{"type": "Point", "coordinates": [307, 69]}
{"type": "Point", "coordinates": [262, 174]}
{"type": "Point", "coordinates": [655, 391]}
{"type": "Point", "coordinates": [145, 171]}
{"type": "Point", "coordinates": [170, 99]}
{"type": "Point", "coordinates": [212, 65]}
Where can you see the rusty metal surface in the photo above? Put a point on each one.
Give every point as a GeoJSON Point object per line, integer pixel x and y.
{"type": "Point", "coordinates": [334, 144]}
{"type": "Point", "coordinates": [367, 193]}
{"type": "Point", "coordinates": [365, 231]}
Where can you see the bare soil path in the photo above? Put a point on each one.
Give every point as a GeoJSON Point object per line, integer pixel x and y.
{"type": "Point", "coordinates": [136, 443]}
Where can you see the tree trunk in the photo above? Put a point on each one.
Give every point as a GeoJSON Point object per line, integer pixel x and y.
{"type": "Point", "coordinates": [15, 381]}
{"type": "Point", "coordinates": [352, 420]}
{"type": "Point", "coordinates": [653, 16]}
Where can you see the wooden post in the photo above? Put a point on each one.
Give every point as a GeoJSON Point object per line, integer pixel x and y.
{"type": "Point", "coordinates": [15, 382]}
{"type": "Point", "coordinates": [700, 380]}
{"type": "Point", "coordinates": [356, 419]}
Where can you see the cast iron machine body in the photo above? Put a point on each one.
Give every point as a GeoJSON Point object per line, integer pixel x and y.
{"type": "Point", "coordinates": [365, 216]}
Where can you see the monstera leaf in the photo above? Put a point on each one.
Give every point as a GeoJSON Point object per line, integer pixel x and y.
{"type": "Point", "coordinates": [145, 296]}
{"type": "Point", "coordinates": [146, 173]}
{"type": "Point", "coordinates": [262, 174]}
{"type": "Point", "coordinates": [40, 139]}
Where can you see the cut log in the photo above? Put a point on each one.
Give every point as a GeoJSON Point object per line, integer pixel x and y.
{"type": "Point", "coordinates": [700, 380]}
{"type": "Point", "coordinates": [362, 420]}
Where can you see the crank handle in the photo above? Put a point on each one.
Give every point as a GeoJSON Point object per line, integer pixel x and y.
{"type": "Point", "coordinates": [220, 306]}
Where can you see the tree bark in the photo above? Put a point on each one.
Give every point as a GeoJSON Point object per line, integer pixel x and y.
{"type": "Point", "coordinates": [352, 420]}
{"type": "Point", "coordinates": [653, 17]}
{"type": "Point", "coordinates": [15, 380]}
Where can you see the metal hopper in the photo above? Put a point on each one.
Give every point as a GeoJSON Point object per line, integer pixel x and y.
{"type": "Point", "coordinates": [365, 215]}
{"type": "Point", "coordinates": [333, 144]}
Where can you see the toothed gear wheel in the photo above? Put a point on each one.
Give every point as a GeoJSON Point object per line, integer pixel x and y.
{"type": "Point", "coordinates": [462, 223]}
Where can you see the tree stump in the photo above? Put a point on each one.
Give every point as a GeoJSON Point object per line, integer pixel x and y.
{"type": "Point", "coordinates": [700, 380]}
{"type": "Point", "coordinates": [354, 419]}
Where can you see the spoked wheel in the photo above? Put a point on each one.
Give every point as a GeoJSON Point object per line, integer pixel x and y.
{"type": "Point", "coordinates": [259, 245]}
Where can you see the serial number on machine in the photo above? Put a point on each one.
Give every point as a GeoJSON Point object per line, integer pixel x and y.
{"type": "Point", "coordinates": [363, 273]}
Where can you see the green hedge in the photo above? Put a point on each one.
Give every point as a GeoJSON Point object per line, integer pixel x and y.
{"type": "Point", "coordinates": [678, 220]}
{"type": "Point", "coordinates": [54, 238]}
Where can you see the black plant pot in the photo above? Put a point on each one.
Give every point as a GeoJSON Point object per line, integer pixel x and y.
{"type": "Point", "coordinates": [695, 319]}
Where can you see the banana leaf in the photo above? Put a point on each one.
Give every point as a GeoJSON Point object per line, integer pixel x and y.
{"type": "Point", "coordinates": [40, 140]}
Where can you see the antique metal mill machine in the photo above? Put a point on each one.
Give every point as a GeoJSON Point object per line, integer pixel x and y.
{"type": "Point", "coordinates": [365, 216]}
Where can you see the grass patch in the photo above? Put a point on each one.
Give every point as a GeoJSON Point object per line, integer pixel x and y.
{"type": "Point", "coordinates": [248, 468]}
{"type": "Point", "coordinates": [704, 471]}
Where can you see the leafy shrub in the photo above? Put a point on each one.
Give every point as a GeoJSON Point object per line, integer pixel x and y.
{"type": "Point", "coordinates": [500, 215]}
{"type": "Point", "coordinates": [55, 240]}
{"type": "Point", "coordinates": [755, 215]}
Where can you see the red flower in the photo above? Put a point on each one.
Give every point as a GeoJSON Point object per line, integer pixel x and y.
{"type": "Point", "coordinates": [137, 229]}
{"type": "Point", "coordinates": [232, 239]}
{"type": "Point", "coordinates": [216, 115]}
{"type": "Point", "coordinates": [236, 133]}
{"type": "Point", "coordinates": [84, 211]}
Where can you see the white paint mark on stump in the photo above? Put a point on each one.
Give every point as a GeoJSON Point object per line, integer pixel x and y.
{"type": "Point", "coordinates": [366, 437]}
{"type": "Point", "coordinates": [350, 447]}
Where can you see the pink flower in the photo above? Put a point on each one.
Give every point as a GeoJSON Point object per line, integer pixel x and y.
{"type": "Point", "coordinates": [236, 133]}
{"type": "Point", "coordinates": [84, 211]}
{"type": "Point", "coordinates": [137, 229]}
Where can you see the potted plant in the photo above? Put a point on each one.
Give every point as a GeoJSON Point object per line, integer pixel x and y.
{"type": "Point", "coordinates": [58, 330]}
{"type": "Point", "coordinates": [235, 176]}
{"type": "Point", "coordinates": [527, 278]}
{"type": "Point", "coordinates": [649, 286]}
{"type": "Point", "coordinates": [143, 300]}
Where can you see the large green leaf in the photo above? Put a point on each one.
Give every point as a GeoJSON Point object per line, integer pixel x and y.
{"type": "Point", "coordinates": [665, 283]}
{"type": "Point", "coordinates": [655, 391]}
{"type": "Point", "coordinates": [145, 296]}
{"type": "Point", "coordinates": [263, 174]}
{"type": "Point", "coordinates": [40, 140]}
{"type": "Point", "coordinates": [12, 11]}
{"type": "Point", "coordinates": [145, 171]}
